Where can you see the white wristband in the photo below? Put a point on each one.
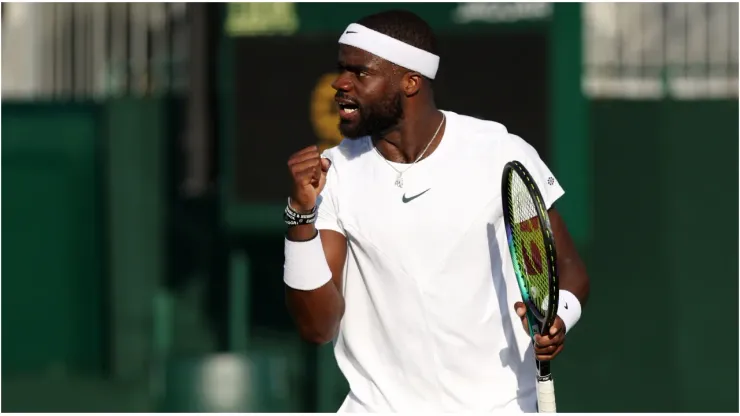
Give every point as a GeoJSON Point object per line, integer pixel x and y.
{"type": "Point", "coordinates": [305, 264]}
{"type": "Point", "coordinates": [569, 309]}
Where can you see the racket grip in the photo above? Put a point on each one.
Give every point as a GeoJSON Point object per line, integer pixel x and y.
{"type": "Point", "coordinates": [545, 396]}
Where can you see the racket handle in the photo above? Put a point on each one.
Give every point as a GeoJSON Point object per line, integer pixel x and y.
{"type": "Point", "coordinates": [545, 396]}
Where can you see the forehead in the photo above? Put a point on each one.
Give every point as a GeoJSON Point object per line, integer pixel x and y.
{"type": "Point", "coordinates": [352, 56]}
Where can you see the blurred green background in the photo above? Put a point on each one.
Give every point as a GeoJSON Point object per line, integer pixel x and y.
{"type": "Point", "coordinates": [143, 150]}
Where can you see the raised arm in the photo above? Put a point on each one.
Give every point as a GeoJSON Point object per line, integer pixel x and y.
{"type": "Point", "coordinates": [314, 260]}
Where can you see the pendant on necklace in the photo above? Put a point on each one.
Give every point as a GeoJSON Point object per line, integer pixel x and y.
{"type": "Point", "coordinates": [399, 180]}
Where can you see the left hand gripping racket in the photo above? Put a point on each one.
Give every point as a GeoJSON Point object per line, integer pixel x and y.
{"type": "Point", "coordinates": [532, 249]}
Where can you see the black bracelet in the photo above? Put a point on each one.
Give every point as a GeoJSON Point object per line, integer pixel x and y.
{"type": "Point", "coordinates": [293, 217]}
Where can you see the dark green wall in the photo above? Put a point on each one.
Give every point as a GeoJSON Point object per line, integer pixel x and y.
{"type": "Point", "coordinates": [83, 218]}
{"type": "Point", "coordinates": [53, 238]}
{"type": "Point", "coordinates": [660, 332]}
{"type": "Point", "coordinates": [136, 195]}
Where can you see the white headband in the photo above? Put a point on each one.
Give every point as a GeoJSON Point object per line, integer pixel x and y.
{"type": "Point", "coordinates": [390, 49]}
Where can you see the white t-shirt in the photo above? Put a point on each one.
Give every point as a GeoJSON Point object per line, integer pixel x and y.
{"type": "Point", "coordinates": [428, 284]}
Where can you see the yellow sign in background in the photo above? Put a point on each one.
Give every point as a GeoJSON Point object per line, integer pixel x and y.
{"type": "Point", "coordinates": [324, 113]}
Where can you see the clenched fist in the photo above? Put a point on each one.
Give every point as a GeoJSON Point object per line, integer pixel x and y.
{"type": "Point", "coordinates": [308, 171]}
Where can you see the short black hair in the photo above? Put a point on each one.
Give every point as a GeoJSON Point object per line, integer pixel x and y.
{"type": "Point", "coordinates": [404, 26]}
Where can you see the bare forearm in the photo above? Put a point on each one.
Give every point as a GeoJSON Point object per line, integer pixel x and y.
{"type": "Point", "coordinates": [317, 313]}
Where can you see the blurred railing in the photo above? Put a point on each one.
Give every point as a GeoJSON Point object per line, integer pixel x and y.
{"type": "Point", "coordinates": [93, 50]}
{"type": "Point", "coordinates": [656, 50]}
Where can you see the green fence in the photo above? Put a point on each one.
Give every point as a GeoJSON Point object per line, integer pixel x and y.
{"type": "Point", "coordinates": [660, 332]}
{"type": "Point", "coordinates": [53, 294]}
{"type": "Point", "coordinates": [83, 218]}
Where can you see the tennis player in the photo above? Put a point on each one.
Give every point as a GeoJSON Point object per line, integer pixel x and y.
{"type": "Point", "coordinates": [396, 249]}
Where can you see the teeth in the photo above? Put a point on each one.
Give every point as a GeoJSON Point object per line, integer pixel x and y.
{"type": "Point", "coordinates": [350, 110]}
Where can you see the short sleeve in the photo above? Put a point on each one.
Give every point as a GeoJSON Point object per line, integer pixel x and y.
{"type": "Point", "coordinates": [328, 218]}
{"type": "Point", "coordinates": [546, 181]}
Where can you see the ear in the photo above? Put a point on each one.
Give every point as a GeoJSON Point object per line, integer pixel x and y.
{"type": "Point", "coordinates": [411, 83]}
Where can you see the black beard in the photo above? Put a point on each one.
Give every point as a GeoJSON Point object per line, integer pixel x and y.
{"type": "Point", "coordinates": [375, 120]}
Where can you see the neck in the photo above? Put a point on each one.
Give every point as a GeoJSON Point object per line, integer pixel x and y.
{"type": "Point", "coordinates": [408, 140]}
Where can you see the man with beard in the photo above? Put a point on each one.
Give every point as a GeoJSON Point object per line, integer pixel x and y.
{"type": "Point", "coordinates": [395, 248]}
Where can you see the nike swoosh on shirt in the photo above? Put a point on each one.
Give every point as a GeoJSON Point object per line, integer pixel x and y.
{"type": "Point", "coordinates": [409, 199]}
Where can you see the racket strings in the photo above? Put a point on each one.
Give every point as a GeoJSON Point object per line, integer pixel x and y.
{"type": "Point", "coordinates": [529, 242]}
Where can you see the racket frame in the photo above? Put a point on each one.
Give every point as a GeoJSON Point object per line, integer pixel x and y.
{"type": "Point", "coordinates": [536, 322]}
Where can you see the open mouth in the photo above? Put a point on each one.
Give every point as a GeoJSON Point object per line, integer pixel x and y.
{"type": "Point", "coordinates": [347, 109]}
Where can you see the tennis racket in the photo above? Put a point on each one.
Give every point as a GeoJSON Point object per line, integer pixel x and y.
{"type": "Point", "coordinates": [532, 249]}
